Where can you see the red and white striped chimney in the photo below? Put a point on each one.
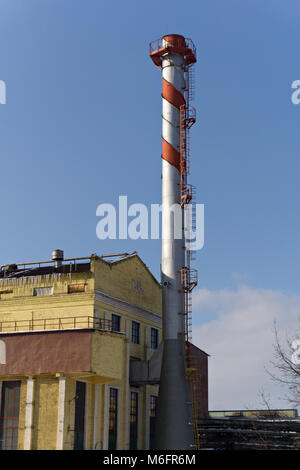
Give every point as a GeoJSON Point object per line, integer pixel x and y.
{"type": "Point", "coordinates": [173, 256]}
{"type": "Point", "coordinates": [173, 54]}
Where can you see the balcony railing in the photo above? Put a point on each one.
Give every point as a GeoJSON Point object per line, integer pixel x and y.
{"type": "Point", "coordinates": [64, 323]}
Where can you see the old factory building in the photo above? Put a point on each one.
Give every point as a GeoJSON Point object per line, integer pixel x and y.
{"type": "Point", "coordinates": [80, 354]}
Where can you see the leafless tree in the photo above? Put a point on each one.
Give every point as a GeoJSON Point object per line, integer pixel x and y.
{"type": "Point", "coordinates": [286, 365]}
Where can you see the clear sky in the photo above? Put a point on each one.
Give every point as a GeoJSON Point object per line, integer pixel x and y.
{"type": "Point", "coordinates": [82, 125]}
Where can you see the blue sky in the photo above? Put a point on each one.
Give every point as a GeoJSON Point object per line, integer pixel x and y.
{"type": "Point", "coordinates": [82, 125]}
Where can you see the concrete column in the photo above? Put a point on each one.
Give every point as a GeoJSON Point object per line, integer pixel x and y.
{"type": "Point", "coordinates": [106, 417]}
{"type": "Point", "coordinates": [29, 413]}
{"type": "Point", "coordinates": [146, 392]}
{"type": "Point", "coordinates": [2, 352]}
{"type": "Point", "coordinates": [96, 417]}
{"type": "Point", "coordinates": [127, 386]}
{"type": "Point", "coordinates": [61, 413]}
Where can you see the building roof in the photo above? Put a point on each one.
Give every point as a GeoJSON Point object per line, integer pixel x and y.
{"type": "Point", "coordinates": [44, 270]}
{"type": "Point", "coordinates": [70, 265]}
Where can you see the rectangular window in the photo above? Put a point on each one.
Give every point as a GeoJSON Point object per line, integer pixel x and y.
{"type": "Point", "coordinates": [79, 426]}
{"type": "Point", "coordinates": [6, 294]}
{"type": "Point", "coordinates": [153, 407]}
{"type": "Point", "coordinates": [9, 415]}
{"type": "Point", "coordinates": [42, 291]}
{"type": "Point", "coordinates": [133, 420]}
{"type": "Point", "coordinates": [115, 322]}
{"type": "Point", "coordinates": [113, 419]}
{"type": "Point", "coordinates": [135, 332]}
{"type": "Point", "coordinates": [154, 338]}
{"type": "Point", "coordinates": [74, 288]}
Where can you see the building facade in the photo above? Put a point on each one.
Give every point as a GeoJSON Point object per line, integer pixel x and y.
{"type": "Point", "coordinates": [69, 332]}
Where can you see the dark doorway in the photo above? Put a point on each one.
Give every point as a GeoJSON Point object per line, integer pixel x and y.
{"type": "Point", "coordinates": [79, 427]}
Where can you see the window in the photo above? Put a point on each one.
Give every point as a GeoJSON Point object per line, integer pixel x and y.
{"type": "Point", "coordinates": [42, 291]}
{"type": "Point", "coordinates": [153, 407]}
{"type": "Point", "coordinates": [154, 338]}
{"type": "Point", "coordinates": [135, 332]}
{"type": "Point", "coordinates": [6, 294]}
{"type": "Point", "coordinates": [133, 420]}
{"type": "Point", "coordinates": [113, 419]}
{"type": "Point", "coordinates": [115, 322]}
{"type": "Point", "coordinates": [74, 288]}
{"type": "Point", "coordinates": [79, 427]}
{"type": "Point", "coordinates": [9, 415]}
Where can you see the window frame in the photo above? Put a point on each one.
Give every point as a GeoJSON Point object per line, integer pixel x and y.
{"type": "Point", "coordinates": [138, 335]}
{"type": "Point", "coordinates": [156, 330]}
{"type": "Point", "coordinates": [45, 291]}
{"type": "Point", "coordinates": [79, 288]}
{"type": "Point", "coordinates": [119, 317]}
{"type": "Point", "coordinates": [117, 416]}
{"type": "Point", "coordinates": [137, 415]}
{"type": "Point", "coordinates": [152, 418]}
{"type": "Point", "coordinates": [12, 420]}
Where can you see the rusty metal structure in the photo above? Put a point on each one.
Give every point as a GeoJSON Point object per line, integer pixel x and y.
{"type": "Point", "coordinates": [178, 399]}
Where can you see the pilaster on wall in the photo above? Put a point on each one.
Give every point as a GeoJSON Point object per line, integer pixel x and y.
{"type": "Point", "coordinates": [146, 391]}
{"type": "Point", "coordinates": [29, 413]}
{"type": "Point", "coordinates": [95, 434]}
{"type": "Point", "coordinates": [127, 386]}
{"type": "Point", "coordinates": [105, 420]}
{"type": "Point", "coordinates": [61, 413]}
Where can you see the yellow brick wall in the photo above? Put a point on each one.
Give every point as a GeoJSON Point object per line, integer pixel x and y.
{"type": "Point", "coordinates": [128, 280]}
{"type": "Point", "coordinates": [136, 350]}
{"type": "Point", "coordinates": [23, 287]}
{"type": "Point", "coordinates": [107, 355]}
{"type": "Point", "coordinates": [31, 311]}
{"type": "Point", "coordinates": [45, 414]}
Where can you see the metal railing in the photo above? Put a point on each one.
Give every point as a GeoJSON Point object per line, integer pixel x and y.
{"type": "Point", "coordinates": [37, 264]}
{"type": "Point", "coordinates": [62, 323]}
{"type": "Point", "coordinates": [162, 43]}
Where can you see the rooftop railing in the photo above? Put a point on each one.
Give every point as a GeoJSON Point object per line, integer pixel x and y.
{"type": "Point", "coordinates": [64, 323]}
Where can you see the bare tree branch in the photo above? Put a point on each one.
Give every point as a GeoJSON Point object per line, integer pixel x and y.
{"type": "Point", "coordinates": [287, 371]}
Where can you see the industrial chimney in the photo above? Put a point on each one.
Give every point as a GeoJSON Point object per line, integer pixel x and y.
{"type": "Point", "coordinates": [174, 55]}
